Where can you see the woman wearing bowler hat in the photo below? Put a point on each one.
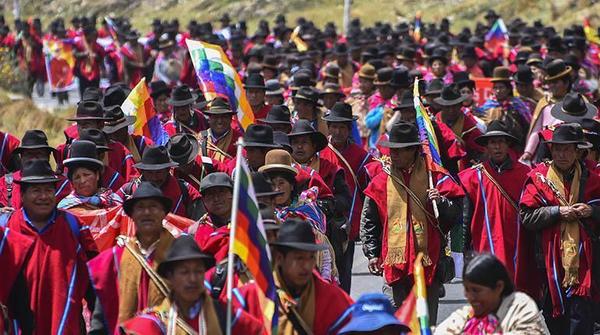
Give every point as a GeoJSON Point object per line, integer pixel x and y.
{"type": "Point", "coordinates": [186, 118]}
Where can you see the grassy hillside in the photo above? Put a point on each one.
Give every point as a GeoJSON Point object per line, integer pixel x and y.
{"type": "Point", "coordinates": [461, 12]}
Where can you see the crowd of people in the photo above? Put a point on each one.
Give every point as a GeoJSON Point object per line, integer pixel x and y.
{"type": "Point", "coordinates": [340, 153]}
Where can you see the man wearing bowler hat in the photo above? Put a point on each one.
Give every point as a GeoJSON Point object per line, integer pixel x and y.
{"type": "Point", "coordinates": [34, 145]}
{"type": "Point", "coordinates": [560, 83]}
{"type": "Point", "coordinates": [307, 304]}
{"type": "Point", "coordinates": [155, 167]}
{"type": "Point", "coordinates": [255, 91]}
{"type": "Point", "coordinates": [359, 98]}
{"type": "Point", "coordinates": [525, 88]}
{"type": "Point", "coordinates": [380, 103]}
{"type": "Point", "coordinates": [123, 277]}
{"type": "Point", "coordinates": [189, 308]}
{"type": "Point", "coordinates": [558, 206]}
{"type": "Point", "coordinates": [353, 159]}
{"type": "Point", "coordinates": [186, 119]}
{"type": "Point", "coordinates": [307, 107]}
{"type": "Point", "coordinates": [116, 128]}
{"type": "Point", "coordinates": [56, 272]}
{"type": "Point", "coordinates": [184, 150]}
{"type": "Point", "coordinates": [219, 140]}
{"type": "Point", "coordinates": [274, 93]}
{"type": "Point", "coordinates": [398, 219]}
{"type": "Point", "coordinates": [498, 180]}
{"type": "Point", "coordinates": [347, 67]}
{"type": "Point", "coordinates": [279, 118]}
{"type": "Point", "coordinates": [160, 93]}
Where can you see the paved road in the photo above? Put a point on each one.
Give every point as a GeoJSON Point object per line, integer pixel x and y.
{"type": "Point", "coordinates": [363, 282]}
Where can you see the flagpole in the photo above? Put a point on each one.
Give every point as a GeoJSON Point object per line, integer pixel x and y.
{"type": "Point", "coordinates": [234, 209]}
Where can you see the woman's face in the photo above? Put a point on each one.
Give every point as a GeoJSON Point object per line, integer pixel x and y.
{"type": "Point", "coordinates": [282, 185]}
{"type": "Point", "coordinates": [483, 300]}
{"type": "Point", "coordinates": [438, 68]}
{"type": "Point", "coordinates": [85, 181]}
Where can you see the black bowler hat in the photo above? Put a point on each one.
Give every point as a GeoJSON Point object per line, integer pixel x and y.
{"type": "Point", "coordinates": [524, 75]}
{"type": "Point", "coordinates": [146, 190]}
{"type": "Point", "coordinates": [439, 54]}
{"type": "Point", "coordinates": [434, 87]}
{"type": "Point", "coordinates": [462, 79]}
{"type": "Point", "coordinates": [83, 152]}
{"type": "Point", "coordinates": [340, 112]}
{"type": "Point", "coordinates": [259, 135]}
{"type": "Point", "coordinates": [273, 87]}
{"type": "Point", "coordinates": [280, 138]}
{"type": "Point", "coordinates": [219, 106]}
{"type": "Point", "coordinates": [401, 78]}
{"type": "Point", "coordinates": [255, 80]}
{"type": "Point", "coordinates": [303, 128]}
{"type": "Point", "coordinates": [407, 53]}
{"type": "Point", "coordinates": [384, 76]}
{"type": "Point", "coordinates": [332, 88]}
{"type": "Point", "coordinates": [308, 94]}
{"type": "Point", "coordinates": [96, 136]}
{"type": "Point", "coordinates": [115, 95]}
{"type": "Point", "coordinates": [184, 248]}
{"type": "Point", "coordinates": [91, 94]}
{"type": "Point", "coordinates": [469, 52]}
{"type": "Point", "coordinates": [301, 79]}
{"type": "Point", "coordinates": [496, 128]}
{"type": "Point", "coordinates": [569, 133]}
{"type": "Point", "coordinates": [297, 234]}
{"type": "Point", "coordinates": [155, 158]}
{"type": "Point", "coordinates": [450, 96]}
{"type": "Point", "coordinates": [117, 119]}
{"type": "Point", "coordinates": [215, 179]}
{"type": "Point", "coordinates": [34, 139]}
{"type": "Point", "coordinates": [89, 110]}
{"type": "Point", "coordinates": [402, 135]}
{"type": "Point", "coordinates": [159, 87]}
{"type": "Point", "coordinates": [183, 148]}
{"type": "Point", "coordinates": [37, 171]}
{"type": "Point", "coordinates": [278, 114]}
{"type": "Point", "coordinates": [557, 69]}
{"type": "Point", "coordinates": [574, 108]}
{"type": "Point", "coordinates": [182, 96]}
{"type": "Point", "coordinates": [263, 186]}
{"type": "Point", "coordinates": [268, 217]}
{"type": "Point", "coordinates": [407, 101]}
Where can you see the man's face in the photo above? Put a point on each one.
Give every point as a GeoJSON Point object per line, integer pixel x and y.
{"type": "Point", "coordinates": [296, 267]}
{"type": "Point", "coordinates": [156, 177]}
{"type": "Point", "coordinates": [558, 87]}
{"type": "Point", "coordinates": [31, 154]}
{"type": "Point", "coordinates": [497, 148]}
{"type": "Point", "coordinates": [187, 281]}
{"type": "Point", "coordinates": [339, 131]}
{"type": "Point", "coordinates": [563, 155]}
{"type": "Point", "coordinates": [303, 147]}
{"type": "Point", "coordinates": [217, 201]}
{"type": "Point", "coordinates": [89, 124]}
{"type": "Point", "coordinates": [438, 68]}
{"type": "Point", "coordinates": [256, 96]}
{"type": "Point", "coordinates": [219, 123]}
{"type": "Point", "coordinates": [502, 90]}
{"type": "Point", "coordinates": [330, 99]}
{"type": "Point", "coordinates": [182, 113]}
{"type": "Point", "coordinates": [305, 109]}
{"type": "Point", "coordinates": [148, 215]}
{"type": "Point", "coordinates": [386, 91]}
{"type": "Point", "coordinates": [403, 158]}
{"type": "Point", "coordinates": [366, 85]}
{"type": "Point", "coordinates": [256, 156]}
{"type": "Point", "coordinates": [39, 199]}
{"type": "Point", "coordinates": [160, 103]}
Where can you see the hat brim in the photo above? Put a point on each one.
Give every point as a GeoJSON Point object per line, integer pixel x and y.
{"type": "Point", "coordinates": [396, 145]}
{"type": "Point", "coordinates": [339, 118]}
{"type": "Point", "coordinates": [267, 121]}
{"type": "Point", "coordinates": [338, 93]}
{"type": "Point", "coordinates": [261, 145]}
{"type": "Point", "coordinates": [301, 246]}
{"type": "Point", "coordinates": [155, 167]}
{"type": "Point", "coordinates": [301, 97]}
{"type": "Point", "coordinates": [318, 139]}
{"type": "Point", "coordinates": [500, 79]}
{"type": "Point", "coordinates": [72, 162]}
{"type": "Point", "coordinates": [219, 112]}
{"type": "Point", "coordinates": [482, 139]}
{"type": "Point", "coordinates": [163, 268]}
{"type": "Point", "coordinates": [564, 73]}
{"type": "Point", "coordinates": [129, 203]}
{"type": "Point", "coordinates": [270, 168]}
{"type": "Point", "coordinates": [372, 322]}
{"type": "Point", "coordinates": [37, 180]}
{"type": "Point", "coordinates": [580, 144]}
{"type": "Point", "coordinates": [262, 87]}
{"type": "Point", "coordinates": [185, 102]}
{"type": "Point", "coordinates": [275, 92]}
{"type": "Point", "coordinates": [366, 77]}
{"type": "Point", "coordinates": [558, 113]}
{"type": "Point", "coordinates": [129, 120]}
{"type": "Point", "coordinates": [20, 149]}
{"type": "Point", "coordinates": [186, 158]}
{"type": "Point", "coordinates": [89, 118]}
{"type": "Point", "coordinates": [443, 102]}
{"type": "Point", "coordinates": [206, 188]}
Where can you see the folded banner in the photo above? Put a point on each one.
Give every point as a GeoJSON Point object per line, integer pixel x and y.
{"type": "Point", "coordinates": [60, 63]}
{"type": "Point", "coordinates": [218, 78]}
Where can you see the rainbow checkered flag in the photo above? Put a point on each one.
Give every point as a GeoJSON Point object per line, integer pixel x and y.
{"type": "Point", "coordinates": [147, 123]}
{"type": "Point", "coordinates": [218, 78]}
{"type": "Point", "coordinates": [249, 240]}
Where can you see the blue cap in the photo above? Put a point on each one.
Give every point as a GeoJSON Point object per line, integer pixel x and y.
{"type": "Point", "coordinates": [371, 312]}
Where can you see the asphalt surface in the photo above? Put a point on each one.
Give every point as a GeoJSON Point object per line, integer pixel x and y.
{"type": "Point", "coordinates": [364, 282]}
